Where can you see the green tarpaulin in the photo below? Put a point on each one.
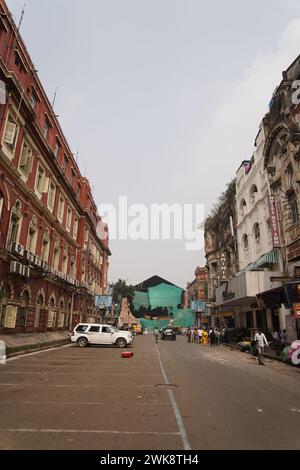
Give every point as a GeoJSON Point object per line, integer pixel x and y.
{"type": "Point", "coordinates": [140, 299]}
{"type": "Point", "coordinates": [181, 317]}
{"type": "Point", "coordinates": [165, 295]}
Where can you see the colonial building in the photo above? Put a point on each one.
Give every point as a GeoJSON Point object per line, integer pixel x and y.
{"type": "Point", "coordinates": [53, 245]}
{"type": "Point", "coordinates": [260, 259]}
{"type": "Point", "coordinates": [221, 249]}
{"type": "Point", "coordinates": [196, 295]}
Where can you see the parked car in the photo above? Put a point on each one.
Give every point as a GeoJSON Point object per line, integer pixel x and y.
{"type": "Point", "coordinates": [168, 333]}
{"type": "Point", "coordinates": [93, 333]}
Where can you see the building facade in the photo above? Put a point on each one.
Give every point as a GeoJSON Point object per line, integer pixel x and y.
{"type": "Point", "coordinates": [53, 244]}
{"type": "Point", "coordinates": [221, 252]}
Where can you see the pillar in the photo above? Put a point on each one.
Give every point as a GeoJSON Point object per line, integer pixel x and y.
{"type": "Point", "coordinates": [283, 312]}
{"type": "Point", "coordinates": [269, 319]}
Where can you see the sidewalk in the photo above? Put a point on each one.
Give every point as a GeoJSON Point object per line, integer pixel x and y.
{"type": "Point", "coordinates": [25, 342]}
{"type": "Point", "coordinates": [268, 353]}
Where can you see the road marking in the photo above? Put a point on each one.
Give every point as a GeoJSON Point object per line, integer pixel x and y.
{"type": "Point", "coordinates": [91, 431]}
{"type": "Point", "coordinates": [180, 424]}
{"type": "Point", "coordinates": [23, 356]}
{"type": "Point", "coordinates": [81, 403]}
{"type": "Point", "coordinates": [74, 385]}
{"type": "Point", "coordinates": [295, 410]}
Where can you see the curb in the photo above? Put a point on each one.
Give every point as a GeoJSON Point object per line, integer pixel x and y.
{"type": "Point", "coordinates": [21, 350]}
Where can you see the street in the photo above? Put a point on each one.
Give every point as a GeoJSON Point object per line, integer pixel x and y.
{"type": "Point", "coordinates": [73, 398]}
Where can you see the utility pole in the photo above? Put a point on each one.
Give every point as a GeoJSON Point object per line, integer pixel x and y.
{"type": "Point", "coordinates": [22, 16]}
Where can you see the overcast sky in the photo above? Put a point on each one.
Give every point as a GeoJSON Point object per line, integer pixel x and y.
{"type": "Point", "coordinates": [162, 98]}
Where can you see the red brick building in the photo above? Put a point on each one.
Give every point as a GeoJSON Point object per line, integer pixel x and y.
{"type": "Point", "coordinates": [53, 255]}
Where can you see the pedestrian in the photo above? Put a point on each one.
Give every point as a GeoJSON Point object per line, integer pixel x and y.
{"type": "Point", "coordinates": [211, 337]}
{"type": "Point", "coordinates": [200, 333]}
{"type": "Point", "coordinates": [261, 342]}
{"type": "Point", "coordinates": [205, 337]}
{"type": "Point", "coordinates": [196, 335]}
{"type": "Point", "coordinates": [217, 334]}
{"type": "Point", "coordinates": [189, 335]}
{"type": "Point", "coordinates": [156, 333]}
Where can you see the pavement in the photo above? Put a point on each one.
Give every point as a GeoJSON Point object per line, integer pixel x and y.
{"type": "Point", "coordinates": [25, 342]}
{"type": "Point", "coordinates": [173, 395]}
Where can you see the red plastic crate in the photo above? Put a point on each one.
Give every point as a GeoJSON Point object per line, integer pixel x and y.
{"type": "Point", "coordinates": [127, 354]}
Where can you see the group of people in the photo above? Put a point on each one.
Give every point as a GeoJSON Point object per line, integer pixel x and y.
{"type": "Point", "coordinates": [203, 336]}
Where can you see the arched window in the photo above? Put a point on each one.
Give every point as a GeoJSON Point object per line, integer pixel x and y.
{"type": "Point", "coordinates": [5, 295]}
{"type": "Point", "coordinates": [1, 203]}
{"type": "Point", "coordinates": [15, 223]}
{"type": "Point", "coordinates": [39, 303]}
{"type": "Point", "coordinates": [293, 207]}
{"type": "Point", "coordinates": [22, 310]}
{"type": "Point", "coordinates": [253, 193]}
{"type": "Point", "coordinates": [56, 255]}
{"type": "Point", "coordinates": [245, 241]}
{"type": "Point", "coordinates": [46, 245]}
{"type": "Point", "coordinates": [256, 231]}
{"type": "Point", "coordinates": [243, 205]}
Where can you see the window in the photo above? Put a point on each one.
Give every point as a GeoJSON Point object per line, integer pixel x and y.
{"type": "Point", "coordinates": [45, 246]}
{"type": "Point", "coordinates": [33, 98]}
{"type": "Point", "coordinates": [32, 237]}
{"type": "Point", "coordinates": [253, 193]}
{"type": "Point", "coordinates": [1, 203]}
{"type": "Point", "coordinates": [78, 190]}
{"type": "Point", "coordinates": [65, 164]}
{"type": "Point", "coordinates": [245, 241]}
{"type": "Point", "coordinates": [65, 261]}
{"type": "Point", "coordinates": [56, 255]}
{"type": "Point", "coordinates": [61, 206]}
{"type": "Point", "coordinates": [10, 135]}
{"type": "Point", "coordinates": [51, 196]}
{"type": "Point", "coordinates": [75, 228]}
{"type": "Point", "coordinates": [72, 178]}
{"type": "Point", "coordinates": [81, 328]}
{"type": "Point", "coordinates": [26, 159]}
{"type": "Point", "coordinates": [95, 329]}
{"type": "Point", "coordinates": [257, 231]}
{"type": "Point", "coordinates": [42, 183]}
{"type": "Point", "coordinates": [14, 229]}
{"type": "Point", "coordinates": [69, 219]}
{"type": "Point", "coordinates": [106, 329]}
{"type": "Point", "coordinates": [39, 304]}
{"type": "Point", "coordinates": [293, 207]}
{"type": "Point", "coordinates": [56, 148]}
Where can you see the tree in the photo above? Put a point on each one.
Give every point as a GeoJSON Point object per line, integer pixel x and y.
{"type": "Point", "coordinates": [121, 290]}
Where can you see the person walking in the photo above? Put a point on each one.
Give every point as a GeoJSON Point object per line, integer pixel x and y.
{"type": "Point", "coordinates": [156, 333]}
{"type": "Point", "coordinates": [261, 342]}
{"type": "Point", "coordinates": [189, 335]}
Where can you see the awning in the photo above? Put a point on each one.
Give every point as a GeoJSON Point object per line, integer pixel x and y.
{"type": "Point", "coordinates": [265, 260]}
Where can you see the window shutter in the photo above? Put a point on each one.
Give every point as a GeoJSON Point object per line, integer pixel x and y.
{"type": "Point", "coordinates": [29, 162]}
{"type": "Point", "coordinates": [24, 155]}
{"type": "Point", "coordinates": [10, 132]}
{"type": "Point", "coordinates": [45, 185]}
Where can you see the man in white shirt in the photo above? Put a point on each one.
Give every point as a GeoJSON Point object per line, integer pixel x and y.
{"type": "Point", "coordinates": [261, 342]}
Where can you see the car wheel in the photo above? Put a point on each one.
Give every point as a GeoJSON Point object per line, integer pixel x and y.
{"type": "Point", "coordinates": [121, 343]}
{"type": "Point", "coordinates": [82, 342]}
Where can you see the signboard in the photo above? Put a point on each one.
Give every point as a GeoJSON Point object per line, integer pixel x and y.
{"type": "Point", "coordinates": [103, 301]}
{"type": "Point", "coordinates": [274, 222]}
{"type": "Point", "coordinates": [11, 316]}
{"type": "Point", "coordinates": [198, 306]}
{"type": "Point", "coordinates": [297, 310]}
{"type": "Point", "coordinates": [223, 267]}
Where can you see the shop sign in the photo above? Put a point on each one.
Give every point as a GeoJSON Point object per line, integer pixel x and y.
{"type": "Point", "coordinates": [274, 222]}
{"type": "Point", "coordinates": [297, 310]}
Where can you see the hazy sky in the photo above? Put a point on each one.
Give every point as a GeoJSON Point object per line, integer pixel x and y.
{"type": "Point", "coordinates": [162, 98]}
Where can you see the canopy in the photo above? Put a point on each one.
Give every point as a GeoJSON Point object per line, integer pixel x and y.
{"type": "Point", "coordinates": [265, 260]}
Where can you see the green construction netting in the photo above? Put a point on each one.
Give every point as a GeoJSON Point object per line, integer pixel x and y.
{"type": "Point", "coordinates": [181, 317]}
{"type": "Point", "coordinates": [165, 295]}
{"type": "Point", "coordinates": [140, 299]}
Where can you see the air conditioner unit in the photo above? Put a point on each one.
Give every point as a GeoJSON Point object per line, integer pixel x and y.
{"type": "Point", "coordinates": [16, 268]}
{"type": "Point", "coordinates": [38, 261]}
{"type": "Point", "coordinates": [26, 271]}
{"type": "Point", "coordinates": [17, 248]}
{"type": "Point", "coordinates": [45, 266]}
{"type": "Point", "coordinates": [29, 256]}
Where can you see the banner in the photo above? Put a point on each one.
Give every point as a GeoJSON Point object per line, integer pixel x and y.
{"type": "Point", "coordinates": [274, 222]}
{"type": "Point", "coordinates": [103, 301]}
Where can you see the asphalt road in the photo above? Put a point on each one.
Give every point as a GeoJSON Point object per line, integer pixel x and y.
{"type": "Point", "coordinates": [171, 396]}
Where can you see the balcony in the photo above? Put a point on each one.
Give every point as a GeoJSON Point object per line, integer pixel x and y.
{"type": "Point", "coordinates": [245, 285]}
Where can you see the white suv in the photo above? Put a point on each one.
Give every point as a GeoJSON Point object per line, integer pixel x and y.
{"type": "Point", "coordinates": [94, 333]}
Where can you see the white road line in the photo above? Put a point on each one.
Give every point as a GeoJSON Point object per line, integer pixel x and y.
{"type": "Point", "coordinates": [181, 427]}
{"type": "Point", "coordinates": [23, 356]}
{"type": "Point", "coordinates": [55, 403]}
{"type": "Point", "coordinates": [90, 431]}
{"type": "Point", "coordinates": [74, 385]}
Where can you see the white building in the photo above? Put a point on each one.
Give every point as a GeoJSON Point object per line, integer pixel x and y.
{"type": "Point", "coordinates": [259, 263]}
